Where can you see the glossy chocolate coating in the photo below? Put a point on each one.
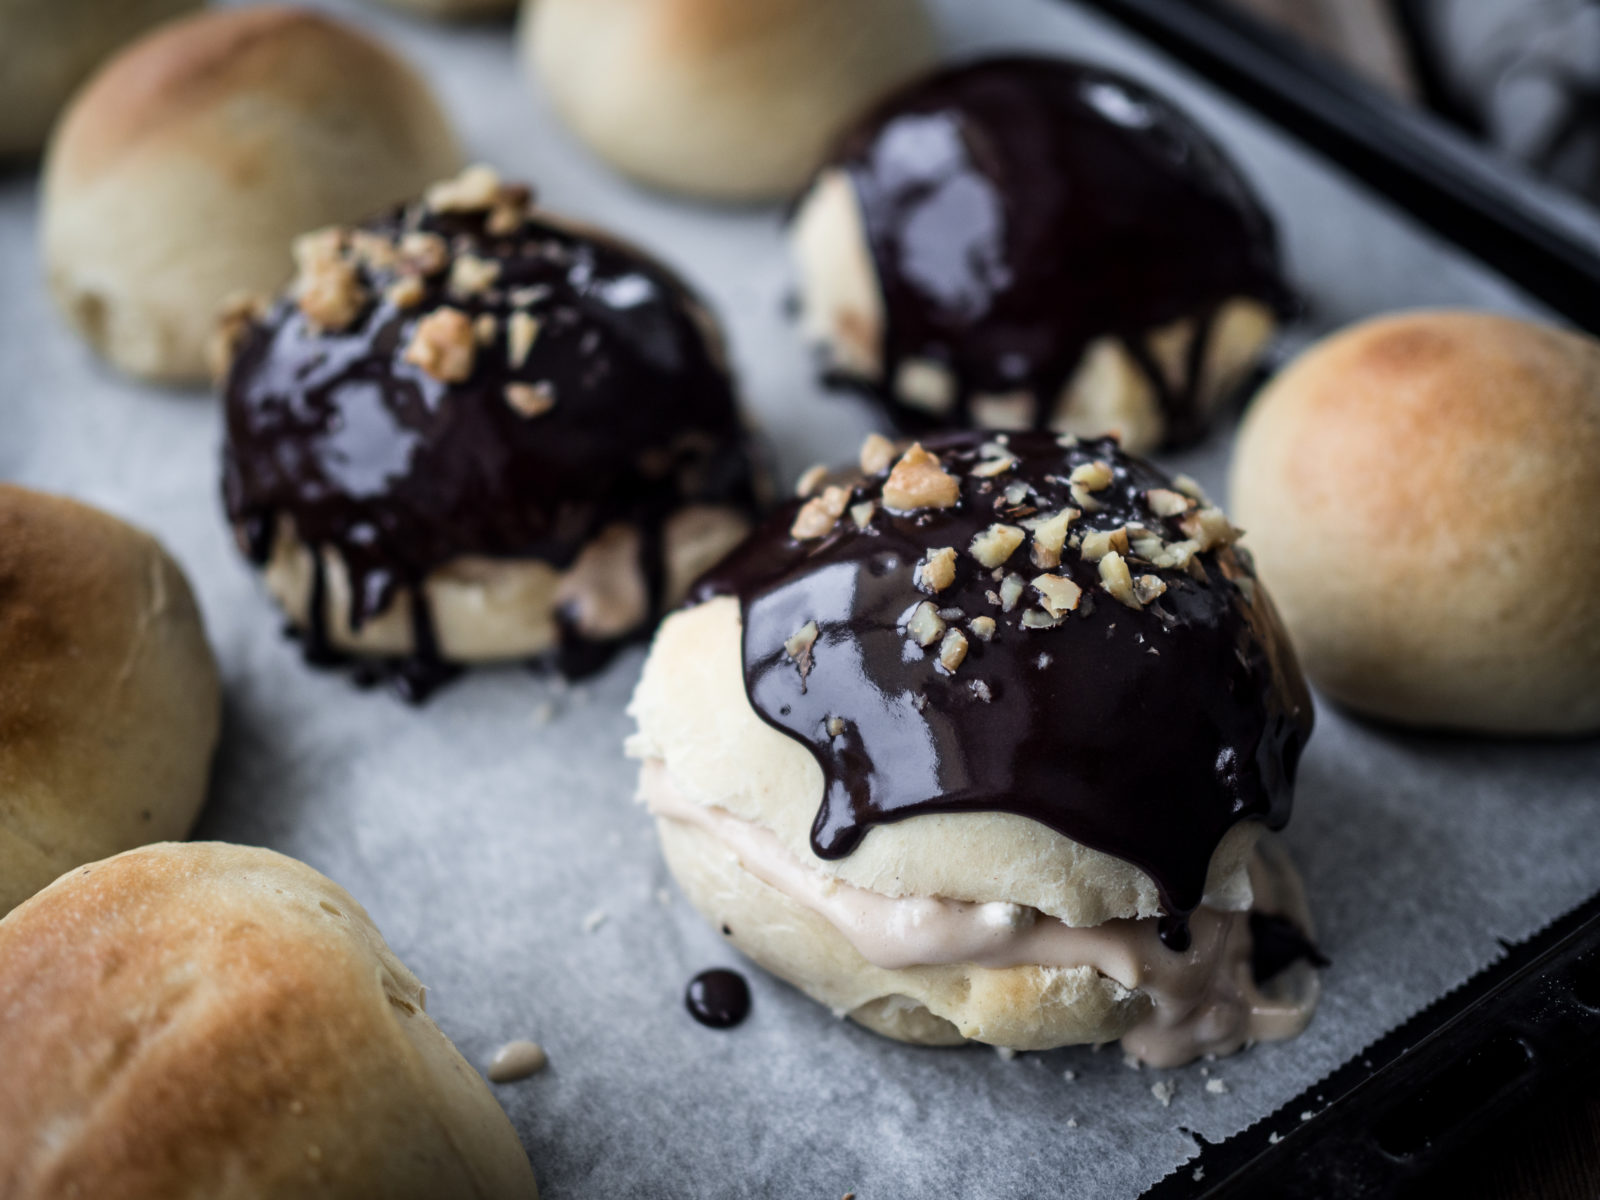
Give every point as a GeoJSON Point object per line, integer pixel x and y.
{"type": "Point", "coordinates": [1017, 209]}
{"type": "Point", "coordinates": [402, 472]}
{"type": "Point", "coordinates": [719, 998]}
{"type": "Point", "coordinates": [1143, 732]}
{"type": "Point", "coordinates": [1276, 944]}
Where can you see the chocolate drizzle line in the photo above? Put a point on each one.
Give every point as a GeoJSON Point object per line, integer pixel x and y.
{"type": "Point", "coordinates": [402, 472]}
{"type": "Point", "coordinates": [1145, 732]}
{"type": "Point", "coordinates": [1017, 209]}
{"type": "Point", "coordinates": [718, 998]}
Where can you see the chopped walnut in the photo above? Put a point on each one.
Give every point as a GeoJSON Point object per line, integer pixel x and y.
{"type": "Point", "coordinates": [1115, 579]}
{"type": "Point", "coordinates": [1208, 527]}
{"type": "Point", "coordinates": [952, 650]}
{"type": "Point", "coordinates": [1061, 595]}
{"type": "Point", "coordinates": [1147, 587]}
{"type": "Point", "coordinates": [937, 570]}
{"type": "Point", "coordinates": [471, 275]}
{"type": "Point", "coordinates": [1092, 475]}
{"type": "Point", "coordinates": [996, 544]}
{"type": "Point", "coordinates": [835, 726]}
{"type": "Point", "coordinates": [405, 292]}
{"type": "Point", "coordinates": [506, 217]}
{"type": "Point", "coordinates": [1190, 488]}
{"type": "Point", "coordinates": [818, 515]}
{"type": "Point", "coordinates": [442, 345]}
{"type": "Point", "coordinates": [1084, 500]}
{"type": "Point", "coordinates": [981, 691]}
{"type": "Point", "coordinates": [475, 189]}
{"type": "Point", "coordinates": [526, 297]}
{"type": "Point", "coordinates": [521, 330]}
{"type": "Point", "coordinates": [1049, 536]}
{"type": "Point", "coordinates": [877, 452]}
{"type": "Point", "coordinates": [810, 479]}
{"type": "Point", "coordinates": [530, 399]}
{"type": "Point", "coordinates": [373, 250]}
{"type": "Point", "coordinates": [1010, 592]}
{"type": "Point", "coordinates": [1037, 618]}
{"type": "Point", "coordinates": [424, 252]}
{"type": "Point", "coordinates": [1097, 543]}
{"type": "Point", "coordinates": [995, 460]}
{"type": "Point", "coordinates": [485, 328]}
{"type": "Point", "coordinates": [861, 513]}
{"type": "Point", "coordinates": [925, 626]}
{"type": "Point", "coordinates": [1165, 502]}
{"type": "Point", "coordinates": [919, 480]}
{"type": "Point", "coordinates": [239, 312]}
{"type": "Point", "coordinates": [982, 628]}
{"type": "Point", "coordinates": [330, 294]}
{"type": "Point", "coordinates": [318, 247]}
{"type": "Point", "coordinates": [798, 647]}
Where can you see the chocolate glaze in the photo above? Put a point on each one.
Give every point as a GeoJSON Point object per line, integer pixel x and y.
{"type": "Point", "coordinates": [401, 472]}
{"type": "Point", "coordinates": [1019, 208]}
{"type": "Point", "coordinates": [718, 998]}
{"type": "Point", "coordinates": [1144, 733]}
{"type": "Point", "coordinates": [1276, 943]}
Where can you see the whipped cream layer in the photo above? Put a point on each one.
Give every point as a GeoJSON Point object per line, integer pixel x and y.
{"type": "Point", "coordinates": [1204, 1000]}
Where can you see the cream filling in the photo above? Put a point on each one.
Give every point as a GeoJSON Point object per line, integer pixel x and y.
{"type": "Point", "coordinates": [1204, 1000]}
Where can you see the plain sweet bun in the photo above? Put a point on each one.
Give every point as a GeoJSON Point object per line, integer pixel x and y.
{"type": "Point", "coordinates": [109, 700]}
{"type": "Point", "coordinates": [979, 743]}
{"type": "Point", "coordinates": [727, 99]}
{"type": "Point", "coordinates": [1420, 492]}
{"type": "Point", "coordinates": [470, 431]}
{"type": "Point", "coordinates": [184, 168]}
{"type": "Point", "coordinates": [48, 46]}
{"type": "Point", "coordinates": [208, 1020]}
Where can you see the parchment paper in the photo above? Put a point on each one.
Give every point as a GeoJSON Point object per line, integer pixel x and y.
{"type": "Point", "coordinates": [487, 841]}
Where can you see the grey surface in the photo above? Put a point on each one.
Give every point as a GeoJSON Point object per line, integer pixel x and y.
{"type": "Point", "coordinates": [480, 839]}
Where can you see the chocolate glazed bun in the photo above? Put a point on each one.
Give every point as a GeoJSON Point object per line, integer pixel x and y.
{"type": "Point", "coordinates": [109, 699]}
{"type": "Point", "coordinates": [1029, 243]}
{"type": "Point", "coordinates": [474, 433]}
{"type": "Point", "coordinates": [183, 168]}
{"type": "Point", "coordinates": [980, 744]}
{"type": "Point", "coordinates": [221, 1022]}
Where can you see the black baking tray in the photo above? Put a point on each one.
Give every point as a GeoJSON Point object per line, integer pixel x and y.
{"type": "Point", "coordinates": [1385, 1122]}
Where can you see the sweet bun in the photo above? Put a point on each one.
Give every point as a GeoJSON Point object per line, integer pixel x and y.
{"type": "Point", "coordinates": [727, 99]}
{"type": "Point", "coordinates": [109, 700]}
{"type": "Point", "coordinates": [997, 245]}
{"type": "Point", "coordinates": [182, 170]}
{"type": "Point", "coordinates": [1421, 493]}
{"type": "Point", "coordinates": [1026, 875]}
{"type": "Point", "coordinates": [208, 1020]}
{"type": "Point", "coordinates": [471, 432]}
{"type": "Point", "coordinates": [48, 46]}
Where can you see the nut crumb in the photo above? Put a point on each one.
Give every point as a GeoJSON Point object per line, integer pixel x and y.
{"type": "Point", "coordinates": [1216, 1087]}
{"type": "Point", "coordinates": [925, 625]}
{"type": "Point", "coordinates": [810, 479]}
{"type": "Point", "coordinates": [405, 292]}
{"type": "Point", "coordinates": [861, 513]}
{"type": "Point", "coordinates": [475, 189]}
{"type": "Point", "coordinates": [995, 544]}
{"type": "Point", "coordinates": [330, 294]}
{"type": "Point", "coordinates": [1049, 536]}
{"type": "Point", "coordinates": [1115, 579]}
{"type": "Point", "coordinates": [1208, 527]}
{"type": "Point", "coordinates": [937, 570]}
{"type": "Point", "coordinates": [799, 644]}
{"type": "Point", "coordinates": [877, 452]}
{"type": "Point", "coordinates": [952, 650]}
{"type": "Point", "coordinates": [835, 726]}
{"type": "Point", "coordinates": [521, 331]}
{"type": "Point", "coordinates": [818, 515]}
{"type": "Point", "coordinates": [442, 345]}
{"type": "Point", "coordinates": [471, 275]}
{"type": "Point", "coordinates": [1092, 476]}
{"type": "Point", "coordinates": [485, 328]}
{"type": "Point", "coordinates": [1165, 502]}
{"type": "Point", "coordinates": [530, 399]}
{"type": "Point", "coordinates": [919, 480]}
{"type": "Point", "coordinates": [1162, 1090]}
{"type": "Point", "coordinates": [1147, 587]}
{"type": "Point", "coordinates": [1061, 595]}
{"type": "Point", "coordinates": [982, 628]}
{"type": "Point", "coordinates": [1097, 543]}
{"type": "Point", "coordinates": [427, 253]}
{"type": "Point", "coordinates": [1010, 592]}
{"type": "Point", "coordinates": [596, 918]}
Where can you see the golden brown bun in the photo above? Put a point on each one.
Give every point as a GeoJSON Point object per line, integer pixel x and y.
{"type": "Point", "coordinates": [48, 46]}
{"type": "Point", "coordinates": [731, 99]}
{"type": "Point", "coordinates": [181, 172]}
{"type": "Point", "coordinates": [208, 1020]}
{"type": "Point", "coordinates": [1421, 494]}
{"type": "Point", "coordinates": [109, 701]}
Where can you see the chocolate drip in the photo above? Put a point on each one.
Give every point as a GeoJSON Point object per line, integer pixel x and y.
{"type": "Point", "coordinates": [719, 998]}
{"type": "Point", "coordinates": [1146, 732]}
{"type": "Point", "coordinates": [1018, 209]}
{"type": "Point", "coordinates": [1277, 943]}
{"type": "Point", "coordinates": [401, 472]}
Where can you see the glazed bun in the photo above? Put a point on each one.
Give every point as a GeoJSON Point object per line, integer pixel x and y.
{"type": "Point", "coordinates": [729, 99]}
{"type": "Point", "coordinates": [109, 701]}
{"type": "Point", "coordinates": [48, 46]}
{"type": "Point", "coordinates": [471, 432]}
{"type": "Point", "coordinates": [967, 756]}
{"type": "Point", "coordinates": [1420, 491]}
{"type": "Point", "coordinates": [207, 1020]}
{"type": "Point", "coordinates": [183, 169]}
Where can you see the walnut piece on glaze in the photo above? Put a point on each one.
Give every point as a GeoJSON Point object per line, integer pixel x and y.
{"type": "Point", "coordinates": [521, 332]}
{"type": "Point", "coordinates": [1010, 592]}
{"type": "Point", "coordinates": [443, 345]}
{"type": "Point", "coordinates": [472, 276]}
{"type": "Point", "coordinates": [994, 545]}
{"type": "Point", "coordinates": [818, 515]}
{"type": "Point", "coordinates": [330, 294]}
{"type": "Point", "coordinates": [485, 328]}
{"type": "Point", "coordinates": [530, 400]}
{"type": "Point", "coordinates": [405, 292]}
{"type": "Point", "coordinates": [952, 650]}
{"type": "Point", "coordinates": [1050, 536]}
{"type": "Point", "coordinates": [862, 513]}
{"type": "Point", "coordinates": [1097, 543]}
{"type": "Point", "coordinates": [877, 452]}
{"type": "Point", "coordinates": [320, 246]}
{"type": "Point", "coordinates": [1116, 579]}
{"type": "Point", "coordinates": [809, 480]}
{"type": "Point", "coordinates": [425, 253]}
{"type": "Point", "coordinates": [1165, 502]}
{"type": "Point", "coordinates": [239, 312]}
{"type": "Point", "coordinates": [937, 570]}
{"type": "Point", "coordinates": [798, 644]}
{"type": "Point", "coordinates": [1208, 528]}
{"type": "Point", "coordinates": [1148, 587]}
{"type": "Point", "coordinates": [919, 480]}
{"type": "Point", "coordinates": [477, 188]}
{"type": "Point", "coordinates": [1061, 595]}
{"type": "Point", "coordinates": [925, 625]}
